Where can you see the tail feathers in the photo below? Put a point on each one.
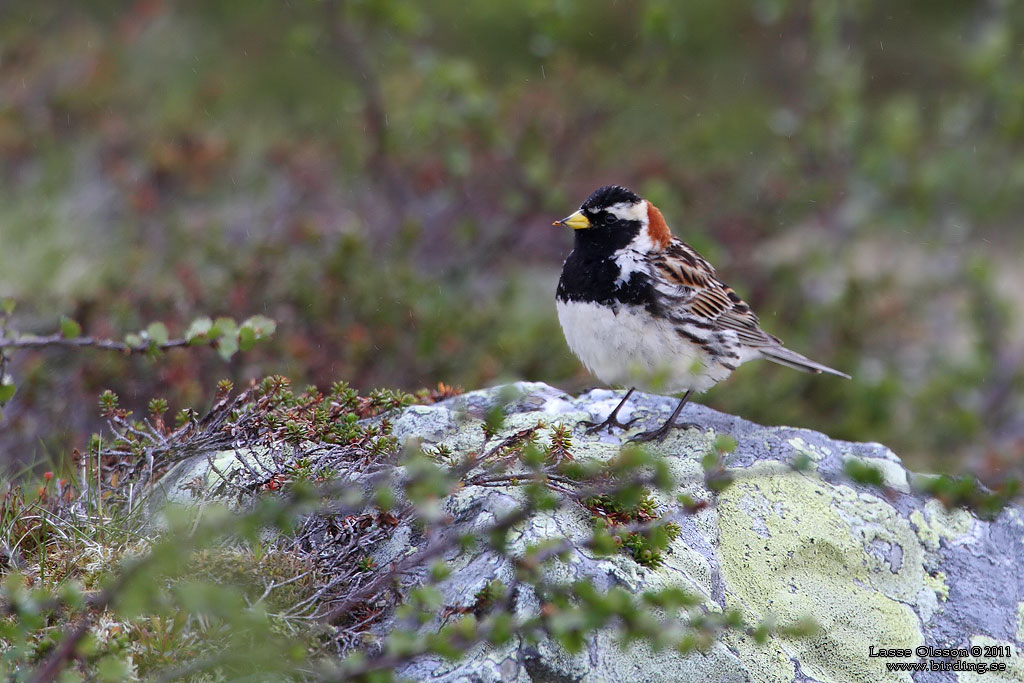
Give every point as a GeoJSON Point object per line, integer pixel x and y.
{"type": "Point", "coordinates": [792, 359]}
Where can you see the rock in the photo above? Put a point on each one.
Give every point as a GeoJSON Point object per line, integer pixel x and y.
{"type": "Point", "coordinates": [877, 569]}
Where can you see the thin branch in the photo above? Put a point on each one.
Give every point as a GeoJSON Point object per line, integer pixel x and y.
{"type": "Point", "coordinates": [4, 319]}
{"type": "Point", "coordinates": [450, 539]}
{"type": "Point", "coordinates": [34, 342]}
{"type": "Point", "coordinates": [417, 559]}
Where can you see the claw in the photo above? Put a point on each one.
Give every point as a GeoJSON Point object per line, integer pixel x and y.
{"type": "Point", "coordinates": [612, 420]}
{"type": "Point", "coordinates": [661, 432]}
{"type": "Point", "coordinates": [609, 424]}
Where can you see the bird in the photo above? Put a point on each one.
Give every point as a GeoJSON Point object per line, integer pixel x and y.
{"type": "Point", "coordinates": [642, 309]}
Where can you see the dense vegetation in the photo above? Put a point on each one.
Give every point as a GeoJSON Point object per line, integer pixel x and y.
{"type": "Point", "coordinates": [379, 177]}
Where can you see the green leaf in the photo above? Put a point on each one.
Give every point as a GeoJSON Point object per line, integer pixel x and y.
{"type": "Point", "coordinates": [227, 345]}
{"type": "Point", "coordinates": [157, 332]}
{"type": "Point", "coordinates": [439, 571]}
{"type": "Point", "coordinates": [223, 326]}
{"type": "Point", "coordinates": [6, 392]}
{"type": "Point", "coordinates": [802, 462]}
{"type": "Point", "coordinates": [69, 329]}
{"type": "Point", "coordinates": [719, 481]}
{"type": "Point", "coordinates": [133, 340]}
{"type": "Point", "coordinates": [710, 462]}
{"type": "Point", "coordinates": [863, 473]}
{"type": "Point", "coordinates": [254, 329]}
{"type": "Point", "coordinates": [112, 668]}
{"type": "Point", "coordinates": [225, 330]}
{"type": "Point", "coordinates": [725, 443]}
{"type": "Point", "coordinates": [261, 325]}
{"type": "Point", "coordinates": [246, 338]}
{"type": "Point", "coordinates": [199, 330]}
{"type": "Point", "coordinates": [7, 305]}
{"type": "Point", "coordinates": [384, 498]}
{"type": "Point", "coordinates": [501, 629]}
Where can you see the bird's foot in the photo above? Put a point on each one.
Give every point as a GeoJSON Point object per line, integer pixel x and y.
{"type": "Point", "coordinates": [661, 432]}
{"type": "Point", "coordinates": [611, 423]}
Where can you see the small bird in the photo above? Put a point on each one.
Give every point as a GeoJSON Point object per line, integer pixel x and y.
{"type": "Point", "coordinates": [642, 309]}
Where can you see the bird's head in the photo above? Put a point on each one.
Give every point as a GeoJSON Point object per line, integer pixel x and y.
{"type": "Point", "coordinates": [615, 216]}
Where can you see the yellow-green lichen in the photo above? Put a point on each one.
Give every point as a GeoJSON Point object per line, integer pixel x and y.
{"type": "Point", "coordinates": [938, 523]}
{"type": "Point", "coordinates": [894, 556]}
{"type": "Point", "coordinates": [1020, 622]}
{"type": "Point", "coordinates": [765, 663]}
{"type": "Point", "coordinates": [937, 582]}
{"type": "Point", "coordinates": [813, 453]}
{"type": "Point", "coordinates": [1014, 665]}
{"type": "Point", "coordinates": [785, 550]}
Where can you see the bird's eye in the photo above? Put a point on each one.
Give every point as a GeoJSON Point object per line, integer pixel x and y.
{"type": "Point", "coordinates": [610, 219]}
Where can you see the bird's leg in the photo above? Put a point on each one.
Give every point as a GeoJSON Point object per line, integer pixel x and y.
{"type": "Point", "coordinates": [613, 418]}
{"type": "Point", "coordinates": [660, 433]}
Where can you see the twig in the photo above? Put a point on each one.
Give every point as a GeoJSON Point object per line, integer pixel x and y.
{"type": "Point", "coordinates": [416, 560]}
{"type": "Point", "coordinates": [451, 539]}
{"type": "Point", "coordinates": [57, 339]}
{"type": "Point", "coordinates": [4, 318]}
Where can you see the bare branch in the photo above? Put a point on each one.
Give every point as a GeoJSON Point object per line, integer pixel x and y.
{"type": "Point", "coordinates": [34, 342]}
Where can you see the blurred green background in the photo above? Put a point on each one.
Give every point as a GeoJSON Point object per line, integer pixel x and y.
{"type": "Point", "coordinates": [380, 177]}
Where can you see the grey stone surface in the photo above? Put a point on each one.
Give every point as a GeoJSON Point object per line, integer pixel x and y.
{"type": "Point", "coordinates": [889, 570]}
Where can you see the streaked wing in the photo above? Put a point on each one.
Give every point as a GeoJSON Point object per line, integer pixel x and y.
{"type": "Point", "coordinates": [691, 290]}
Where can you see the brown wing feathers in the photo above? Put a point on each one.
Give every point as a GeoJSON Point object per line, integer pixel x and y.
{"type": "Point", "coordinates": [709, 297]}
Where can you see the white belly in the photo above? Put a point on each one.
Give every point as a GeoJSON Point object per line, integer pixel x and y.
{"type": "Point", "coordinates": [628, 348]}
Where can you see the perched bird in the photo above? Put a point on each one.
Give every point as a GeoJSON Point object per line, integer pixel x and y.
{"type": "Point", "coordinates": [642, 309]}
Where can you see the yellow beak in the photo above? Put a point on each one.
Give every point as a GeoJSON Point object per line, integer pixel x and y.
{"type": "Point", "coordinates": [576, 221]}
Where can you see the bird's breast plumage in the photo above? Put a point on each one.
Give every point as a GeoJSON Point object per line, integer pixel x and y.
{"type": "Point", "coordinates": [601, 279]}
{"type": "Point", "coordinates": [623, 345]}
{"type": "Point", "coordinates": [614, 320]}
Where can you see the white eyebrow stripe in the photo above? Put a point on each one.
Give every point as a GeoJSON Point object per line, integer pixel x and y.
{"type": "Point", "coordinates": [629, 211]}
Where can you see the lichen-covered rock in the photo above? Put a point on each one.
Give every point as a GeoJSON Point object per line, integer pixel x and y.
{"type": "Point", "coordinates": [883, 572]}
{"type": "Point", "coordinates": [878, 569]}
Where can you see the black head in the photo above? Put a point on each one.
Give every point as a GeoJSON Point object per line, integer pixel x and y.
{"type": "Point", "coordinates": [608, 196]}
{"type": "Point", "coordinates": [614, 207]}
{"type": "Point", "coordinates": [611, 217]}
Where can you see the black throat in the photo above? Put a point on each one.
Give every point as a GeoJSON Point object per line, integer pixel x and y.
{"type": "Point", "coordinates": [590, 272]}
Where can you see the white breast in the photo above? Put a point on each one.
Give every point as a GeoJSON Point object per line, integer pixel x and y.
{"type": "Point", "coordinates": [628, 347]}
